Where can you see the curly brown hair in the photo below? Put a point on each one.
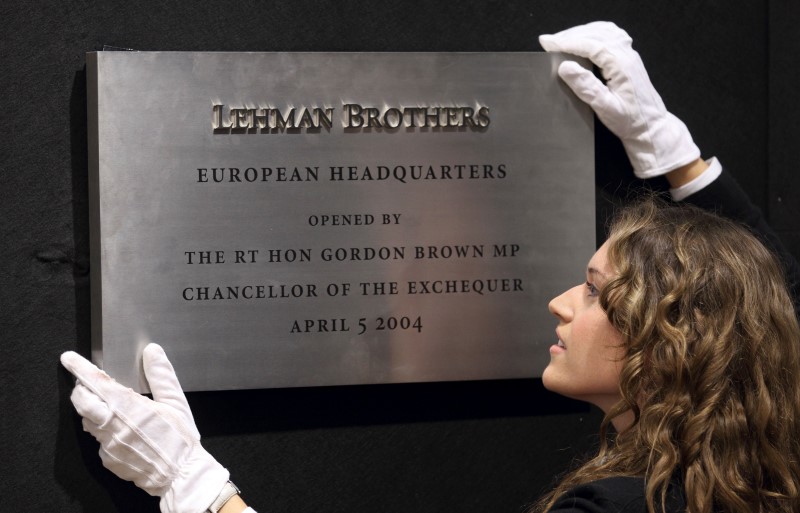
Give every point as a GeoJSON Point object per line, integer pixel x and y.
{"type": "Point", "coordinates": [711, 372]}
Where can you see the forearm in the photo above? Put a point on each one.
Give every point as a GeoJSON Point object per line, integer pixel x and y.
{"type": "Point", "coordinates": [234, 505]}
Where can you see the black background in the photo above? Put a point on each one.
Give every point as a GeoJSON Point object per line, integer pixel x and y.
{"type": "Point", "coordinates": [728, 69]}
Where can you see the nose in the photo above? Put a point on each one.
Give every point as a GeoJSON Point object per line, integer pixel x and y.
{"type": "Point", "coordinates": [560, 306]}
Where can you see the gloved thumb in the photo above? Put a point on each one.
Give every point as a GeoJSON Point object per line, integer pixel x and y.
{"type": "Point", "coordinates": [163, 382]}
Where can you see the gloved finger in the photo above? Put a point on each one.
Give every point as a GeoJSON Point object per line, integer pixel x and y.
{"type": "Point", "coordinates": [137, 462]}
{"type": "Point", "coordinates": [584, 40]}
{"type": "Point", "coordinates": [590, 89]}
{"type": "Point", "coordinates": [77, 365]}
{"type": "Point", "coordinates": [122, 459]}
{"type": "Point", "coordinates": [153, 484]}
{"type": "Point", "coordinates": [162, 380]}
{"type": "Point", "coordinates": [93, 429]}
{"type": "Point", "coordinates": [119, 466]}
{"type": "Point", "coordinates": [92, 377]}
{"type": "Point", "coordinates": [580, 46]}
{"type": "Point", "coordinates": [601, 42]}
{"type": "Point", "coordinates": [89, 406]}
{"type": "Point", "coordinates": [600, 30]}
{"type": "Point", "coordinates": [131, 464]}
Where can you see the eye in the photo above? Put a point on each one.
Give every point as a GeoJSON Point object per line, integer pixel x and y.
{"type": "Point", "coordinates": [593, 291]}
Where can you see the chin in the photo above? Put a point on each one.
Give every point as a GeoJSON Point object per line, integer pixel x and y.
{"type": "Point", "coordinates": [548, 381]}
{"type": "Point", "coordinates": [551, 382]}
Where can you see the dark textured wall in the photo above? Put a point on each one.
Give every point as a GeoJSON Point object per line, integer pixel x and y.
{"type": "Point", "coordinates": [784, 121]}
{"type": "Point", "coordinates": [728, 72]}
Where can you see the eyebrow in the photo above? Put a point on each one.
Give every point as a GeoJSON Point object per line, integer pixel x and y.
{"type": "Point", "coordinates": [593, 271]}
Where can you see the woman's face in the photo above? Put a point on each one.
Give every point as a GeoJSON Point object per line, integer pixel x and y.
{"type": "Point", "coordinates": [585, 362]}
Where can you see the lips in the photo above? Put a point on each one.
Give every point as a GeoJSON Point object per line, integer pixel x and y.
{"type": "Point", "coordinates": [560, 341]}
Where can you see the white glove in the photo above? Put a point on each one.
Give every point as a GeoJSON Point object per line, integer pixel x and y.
{"type": "Point", "coordinates": [656, 141]}
{"type": "Point", "coordinates": [153, 443]}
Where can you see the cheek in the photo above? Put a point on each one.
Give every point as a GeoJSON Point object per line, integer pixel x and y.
{"type": "Point", "coordinates": [610, 353]}
{"type": "Point", "coordinates": [598, 356]}
{"type": "Point", "coordinates": [596, 327]}
{"type": "Point", "coordinates": [597, 333]}
{"type": "Point", "coordinates": [606, 336]}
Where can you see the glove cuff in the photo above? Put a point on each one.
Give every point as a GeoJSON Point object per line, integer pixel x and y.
{"type": "Point", "coordinates": [667, 146]}
{"type": "Point", "coordinates": [199, 482]}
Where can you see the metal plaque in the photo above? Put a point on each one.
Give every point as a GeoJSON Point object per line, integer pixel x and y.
{"type": "Point", "coordinates": [304, 219]}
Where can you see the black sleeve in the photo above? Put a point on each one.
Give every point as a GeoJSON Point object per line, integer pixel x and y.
{"type": "Point", "coordinates": [725, 197]}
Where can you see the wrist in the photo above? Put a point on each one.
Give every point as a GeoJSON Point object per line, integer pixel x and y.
{"type": "Point", "coordinates": [699, 182]}
{"type": "Point", "coordinates": [234, 505]}
{"type": "Point", "coordinates": [685, 174]}
{"type": "Point", "coordinates": [199, 483]}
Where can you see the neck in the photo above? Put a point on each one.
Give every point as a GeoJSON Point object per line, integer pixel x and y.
{"type": "Point", "coordinates": [622, 422]}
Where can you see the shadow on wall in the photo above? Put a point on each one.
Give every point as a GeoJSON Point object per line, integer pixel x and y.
{"type": "Point", "coordinates": [77, 467]}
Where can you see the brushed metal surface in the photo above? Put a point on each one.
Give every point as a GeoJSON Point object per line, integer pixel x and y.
{"type": "Point", "coordinates": [153, 212]}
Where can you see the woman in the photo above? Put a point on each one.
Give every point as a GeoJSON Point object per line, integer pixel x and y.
{"type": "Point", "coordinates": [683, 334]}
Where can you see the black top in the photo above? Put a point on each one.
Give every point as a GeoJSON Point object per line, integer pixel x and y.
{"type": "Point", "coordinates": [616, 495]}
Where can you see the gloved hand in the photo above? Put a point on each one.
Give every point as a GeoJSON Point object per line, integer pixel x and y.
{"type": "Point", "coordinates": [153, 443]}
{"type": "Point", "coordinates": [655, 140]}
